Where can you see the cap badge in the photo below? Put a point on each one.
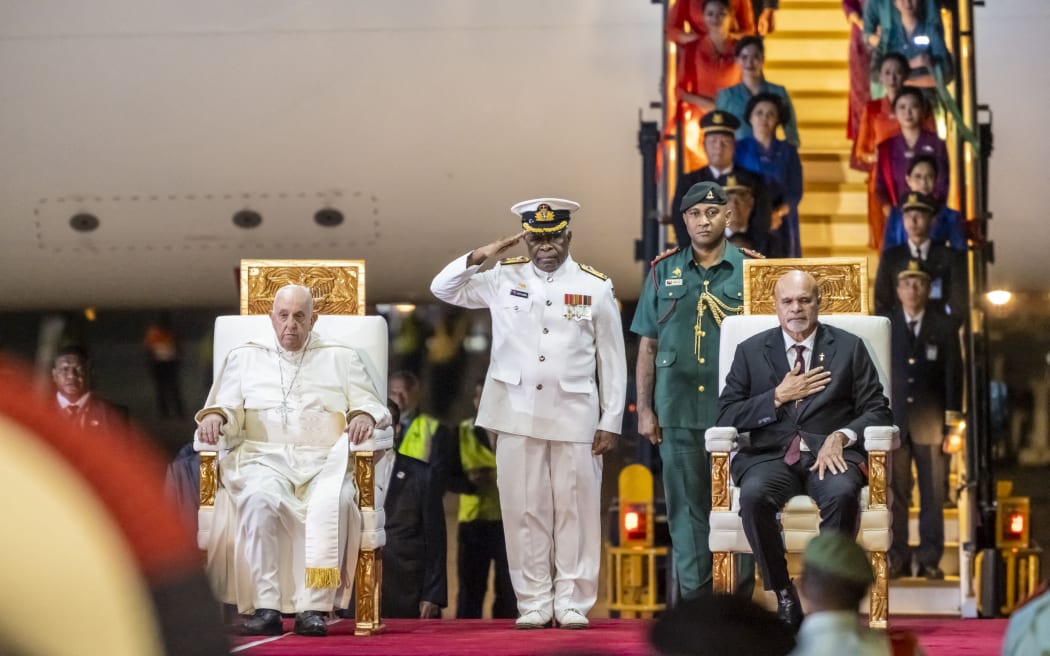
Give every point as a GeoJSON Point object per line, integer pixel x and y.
{"type": "Point", "coordinates": [716, 119]}
{"type": "Point", "coordinates": [543, 214]}
{"type": "Point", "coordinates": [710, 195]}
{"type": "Point", "coordinates": [913, 265]}
{"type": "Point", "coordinates": [913, 198]}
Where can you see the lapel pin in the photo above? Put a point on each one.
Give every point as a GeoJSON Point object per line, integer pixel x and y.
{"type": "Point", "coordinates": [820, 357]}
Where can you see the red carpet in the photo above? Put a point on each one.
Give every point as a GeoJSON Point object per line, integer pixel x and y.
{"type": "Point", "coordinates": [955, 637]}
{"type": "Point", "coordinates": [461, 638]}
{"type": "Point", "coordinates": [938, 637]}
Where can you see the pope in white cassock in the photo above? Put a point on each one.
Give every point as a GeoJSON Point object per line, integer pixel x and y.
{"type": "Point", "coordinates": [554, 394]}
{"type": "Point", "coordinates": [286, 527]}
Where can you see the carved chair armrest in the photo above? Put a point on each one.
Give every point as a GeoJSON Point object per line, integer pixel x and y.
{"type": "Point", "coordinates": [720, 439]}
{"type": "Point", "coordinates": [881, 438]}
{"type": "Point", "coordinates": [223, 444]}
{"type": "Point", "coordinates": [382, 439]}
{"type": "Point", "coordinates": [879, 441]}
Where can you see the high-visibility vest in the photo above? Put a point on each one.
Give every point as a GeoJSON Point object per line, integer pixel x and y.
{"type": "Point", "coordinates": [473, 455]}
{"type": "Point", "coordinates": [418, 440]}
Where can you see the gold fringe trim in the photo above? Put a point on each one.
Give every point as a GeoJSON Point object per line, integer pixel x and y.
{"type": "Point", "coordinates": [322, 577]}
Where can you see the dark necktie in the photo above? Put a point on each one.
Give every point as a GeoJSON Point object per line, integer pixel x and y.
{"type": "Point", "coordinates": [912, 333]}
{"type": "Point", "coordinates": [794, 449]}
{"type": "Point", "coordinates": [72, 411]}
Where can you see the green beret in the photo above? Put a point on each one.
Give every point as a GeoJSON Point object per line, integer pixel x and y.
{"type": "Point", "coordinates": [708, 193]}
{"type": "Point", "coordinates": [838, 554]}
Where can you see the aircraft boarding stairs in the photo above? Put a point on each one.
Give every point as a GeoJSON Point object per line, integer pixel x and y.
{"type": "Point", "coordinates": [808, 54]}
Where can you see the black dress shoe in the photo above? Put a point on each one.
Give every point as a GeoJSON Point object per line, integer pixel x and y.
{"type": "Point", "coordinates": [264, 621]}
{"type": "Point", "coordinates": [311, 623]}
{"type": "Point", "coordinates": [932, 573]}
{"type": "Point", "coordinates": [898, 570]}
{"type": "Point", "coordinates": [789, 608]}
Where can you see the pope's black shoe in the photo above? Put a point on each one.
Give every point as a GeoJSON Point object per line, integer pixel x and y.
{"type": "Point", "coordinates": [264, 621]}
{"type": "Point", "coordinates": [789, 608]}
{"type": "Point", "coordinates": [311, 623]}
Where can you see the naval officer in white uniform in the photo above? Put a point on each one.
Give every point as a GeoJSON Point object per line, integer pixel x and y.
{"type": "Point", "coordinates": [554, 394]}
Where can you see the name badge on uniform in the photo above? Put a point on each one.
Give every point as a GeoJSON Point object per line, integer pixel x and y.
{"type": "Point", "coordinates": [673, 282]}
{"type": "Point", "coordinates": [937, 289]}
{"type": "Point", "coordinates": [577, 306]}
{"type": "Point", "coordinates": [519, 293]}
{"type": "Point", "coordinates": [931, 351]}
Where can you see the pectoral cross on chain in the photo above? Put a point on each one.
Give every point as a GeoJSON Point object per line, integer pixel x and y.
{"type": "Point", "coordinates": [284, 409]}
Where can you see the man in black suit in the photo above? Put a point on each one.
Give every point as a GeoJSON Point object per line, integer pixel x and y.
{"type": "Point", "coordinates": [415, 580]}
{"type": "Point", "coordinates": [945, 266]}
{"type": "Point", "coordinates": [75, 399]}
{"type": "Point", "coordinates": [719, 145]}
{"type": "Point", "coordinates": [805, 392]}
{"type": "Point", "coordinates": [927, 396]}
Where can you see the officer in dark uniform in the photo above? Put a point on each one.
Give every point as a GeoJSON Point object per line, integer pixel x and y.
{"type": "Point", "coordinates": [945, 267]}
{"type": "Point", "coordinates": [687, 294]}
{"type": "Point", "coordinates": [720, 146]}
{"type": "Point", "coordinates": [927, 397]}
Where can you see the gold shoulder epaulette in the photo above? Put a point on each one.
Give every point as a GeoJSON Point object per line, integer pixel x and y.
{"type": "Point", "coordinates": [662, 256]}
{"type": "Point", "coordinates": [594, 272]}
{"type": "Point", "coordinates": [521, 259]}
{"type": "Point", "coordinates": [752, 254]}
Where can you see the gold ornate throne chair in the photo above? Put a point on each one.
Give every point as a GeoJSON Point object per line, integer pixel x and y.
{"type": "Point", "coordinates": [844, 287]}
{"type": "Point", "coordinates": [338, 289]}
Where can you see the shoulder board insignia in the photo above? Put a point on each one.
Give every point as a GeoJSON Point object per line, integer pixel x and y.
{"type": "Point", "coordinates": [521, 259]}
{"type": "Point", "coordinates": [594, 272]}
{"type": "Point", "coordinates": [752, 254]}
{"type": "Point", "coordinates": [666, 254]}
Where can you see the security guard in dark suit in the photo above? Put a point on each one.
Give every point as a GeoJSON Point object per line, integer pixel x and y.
{"type": "Point", "coordinates": [415, 579]}
{"type": "Point", "coordinates": [927, 397]}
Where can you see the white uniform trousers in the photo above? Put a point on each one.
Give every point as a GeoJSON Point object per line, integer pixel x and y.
{"type": "Point", "coordinates": [550, 497]}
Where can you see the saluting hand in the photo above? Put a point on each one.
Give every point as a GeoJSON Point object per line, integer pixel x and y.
{"type": "Point", "coordinates": [210, 428]}
{"type": "Point", "coordinates": [479, 255]}
{"type": "Point", "coordinates": [604, 442]}
{"type": "Point", "coordinates": [360, 428]}
{"type": "Point", "coordinates": [798, 385]}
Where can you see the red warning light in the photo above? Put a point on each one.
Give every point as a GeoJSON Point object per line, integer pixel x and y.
{"type": "Point", "coordinates": [634, 523]}
{"type": "Point", "coordinates": [1012, 520]}
{"type": "Point", "coordinates": [630, 521]}
{"type": "Point", "coordinates": [1016, 529]}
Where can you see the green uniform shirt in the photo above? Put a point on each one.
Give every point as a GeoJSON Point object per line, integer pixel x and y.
{"type": "Point", "coordinates": [686, 391]}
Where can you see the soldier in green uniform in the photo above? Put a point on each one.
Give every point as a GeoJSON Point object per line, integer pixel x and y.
{"type": "Point", "coordinates": [687, 294]}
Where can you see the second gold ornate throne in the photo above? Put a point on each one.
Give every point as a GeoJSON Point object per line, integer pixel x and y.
{"type": "Point", "coordinates": [844, 286]}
